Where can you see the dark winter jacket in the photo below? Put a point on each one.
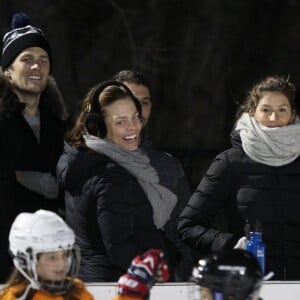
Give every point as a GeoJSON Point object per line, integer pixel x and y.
{"type": "Point", "coordinates": [111, 215]}
{"type": "Point", "coordinates": [247, 190]}
{"type": "Point", "coordinates": [20, 151]}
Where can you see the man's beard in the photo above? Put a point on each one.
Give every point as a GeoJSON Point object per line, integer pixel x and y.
{"type": "Point", "coordinates": [27, 92]}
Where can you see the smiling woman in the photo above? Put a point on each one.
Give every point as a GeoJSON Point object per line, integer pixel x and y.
{"type": "Point", "coordinates": [116, 200]}
{"type": "Point", "coordinates": [274, 110]}
{"type": "Point", "coordinates": [257, 179]}
{"type": "Point", "coordinates": [123, 123]}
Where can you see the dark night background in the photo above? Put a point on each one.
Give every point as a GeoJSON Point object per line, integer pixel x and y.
{"type": "Point", "coordinates": [200, 56]}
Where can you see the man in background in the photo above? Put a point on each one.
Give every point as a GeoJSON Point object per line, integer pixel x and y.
{"type": "Point", "coordinates": [140, 88]}
{"type": "Point", "coordinates": [32, 115]}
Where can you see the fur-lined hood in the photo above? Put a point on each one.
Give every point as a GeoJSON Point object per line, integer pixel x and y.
{"type": "Point", "coordinates": [51, 99]}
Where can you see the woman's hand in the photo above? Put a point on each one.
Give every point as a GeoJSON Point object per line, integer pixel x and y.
{"type": "Point", "coordinates": [242, 243]}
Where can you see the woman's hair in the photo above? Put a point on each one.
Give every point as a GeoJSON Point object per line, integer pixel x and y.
{"type": "Point", "coordinates": [91, 117]}
{"type": "Point", "coordinates": [73, 292]}
{"type": "Point", "coordinates": [268, 84]}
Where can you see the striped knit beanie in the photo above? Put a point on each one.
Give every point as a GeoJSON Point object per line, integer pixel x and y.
{"type": "Point", "coordinates": [22, 35]}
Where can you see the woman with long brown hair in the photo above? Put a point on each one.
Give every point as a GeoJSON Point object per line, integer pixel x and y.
{"type": "Point", "coordinates": [117, 199]}
{"type": "Point", "coordinates": [257, 179]}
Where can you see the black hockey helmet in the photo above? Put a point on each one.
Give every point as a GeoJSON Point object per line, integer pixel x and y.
{"type": "Point", "coordinates": [235, 275]}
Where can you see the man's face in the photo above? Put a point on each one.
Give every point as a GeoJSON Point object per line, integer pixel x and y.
{"type": "Point", "coordinates": [29, 72]}
{"type": "Point", "coordinates": [142, 93]}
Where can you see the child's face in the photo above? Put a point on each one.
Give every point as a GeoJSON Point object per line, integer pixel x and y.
{"type": "Point", "coordinates": [53, 266]}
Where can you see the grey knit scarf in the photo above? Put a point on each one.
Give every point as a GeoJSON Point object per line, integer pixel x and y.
{"type": "Point", "coordinates": [137, 163]}
{"type": "Point", "coordinates": [270, 146]}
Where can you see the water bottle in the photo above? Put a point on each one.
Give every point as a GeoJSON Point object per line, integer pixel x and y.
{"type": "Point", "coordinates": [256, 246]}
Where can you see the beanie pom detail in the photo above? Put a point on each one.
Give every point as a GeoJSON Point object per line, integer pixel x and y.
{"type": "Point", "coordinates": [20, 20]}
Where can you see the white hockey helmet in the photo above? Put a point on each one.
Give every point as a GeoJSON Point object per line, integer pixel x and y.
{"type": "Point", "coordinates": [34, 233]}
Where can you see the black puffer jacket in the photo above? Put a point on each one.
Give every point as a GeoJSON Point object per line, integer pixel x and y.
{"type": "Point", "coordinates": [20, 150]}
{"type": "Point", "coordinates": [247, 190]}
{"type": "Point", "coordinates": [111, 215]}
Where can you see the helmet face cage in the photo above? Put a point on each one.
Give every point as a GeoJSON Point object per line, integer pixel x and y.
{"type": "Point", "coordinates": [33, 234]}
{"type": "Point", "coordinates": [27, 265]}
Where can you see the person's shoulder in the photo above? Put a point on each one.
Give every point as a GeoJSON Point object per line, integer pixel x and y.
{"type": "Point", "coordinates": [232, 154]}
{"type": "Point", "coordinates": [164, 160]}
{"type": "Point", "coordinates": [6, 119]}
{"type": "Point", "coordinates": [165, 155]}
{"type": "Point", "coordinates": [84, 153]}
{"type": "Point", "coordinates": [10, 292]}
{"type": "Point", "coordinates": [230, 159]}
{"type": "Point", "coordinates": [85, 294]}
{"type": "Point", "coordinates": [155, 153]}
{"type": "Point", "coordinates": [83, 160]}
{"type": "Point", "coordinates": [85, 164]}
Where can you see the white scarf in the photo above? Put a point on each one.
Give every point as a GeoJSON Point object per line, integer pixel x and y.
{"type": "Point", "coordinates": [270, 146]}
{"type": "Point", "coordinates": [137, 163]}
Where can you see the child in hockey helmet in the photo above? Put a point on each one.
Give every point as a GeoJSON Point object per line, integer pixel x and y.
{"type": "Point", "coordinates": [235, 275]}
{"type": "Point", "coordinates": [43, 249]}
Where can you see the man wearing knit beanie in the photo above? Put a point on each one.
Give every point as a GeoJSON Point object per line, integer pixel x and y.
{"type": "Point", "coordinates": [22, 36]}
{"type": "Point", "coordinates": [32, 115]}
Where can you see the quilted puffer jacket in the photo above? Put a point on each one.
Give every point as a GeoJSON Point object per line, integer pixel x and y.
{"type": "Point", "coordinates": [247, 191]}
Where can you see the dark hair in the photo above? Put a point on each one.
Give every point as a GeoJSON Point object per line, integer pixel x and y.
{"type": "Point", "coordinates": [91, 117]}
{"type": "Point", "coordinates": [132, 76]}
{"type": "Point", "coordinates": [8, 100]}
{"type": "Point", "coordinates": [73, 293]}
{"type": "Point", "coordinates": [268, 84]}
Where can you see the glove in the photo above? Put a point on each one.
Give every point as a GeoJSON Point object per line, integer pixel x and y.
{"type": "Point", "coordinates": [44, 184]}
{"type": "Point", "coordinates": [241, 244]}
{"type": "Point", "coordinates": [144, 271]}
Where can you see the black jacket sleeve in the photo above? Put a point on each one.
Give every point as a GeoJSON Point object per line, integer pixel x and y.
{"type": "Point", "coordinates": [195, 222]}
{"type": "Point", "coordinates": [183, 259]}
